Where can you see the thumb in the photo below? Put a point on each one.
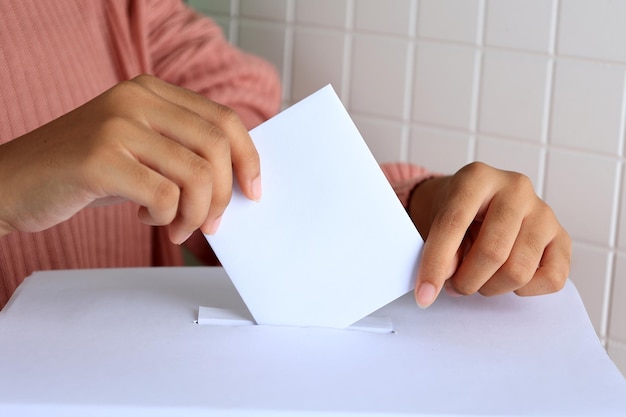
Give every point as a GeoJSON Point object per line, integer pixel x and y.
{"type": "Point", "coordinates": [428, 286]}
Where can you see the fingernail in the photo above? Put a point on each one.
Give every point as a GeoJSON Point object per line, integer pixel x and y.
{"type": "Point", "coordinates": [450, 290]}
{"type": "Point", "coordinates": [184, 239]}
{"type": "Point", "coordinates": [425, 294]}
{"type": "Point", "coordinates": [255, 187]}
{"type": "Point", "coordinates": [215, 225]}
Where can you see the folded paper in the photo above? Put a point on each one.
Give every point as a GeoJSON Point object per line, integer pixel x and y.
{"type": "Point", "coordinates": [329, 242]}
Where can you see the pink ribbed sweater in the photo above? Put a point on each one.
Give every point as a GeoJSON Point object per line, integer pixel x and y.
{"type": "Point", "coordinates": [56, 55]}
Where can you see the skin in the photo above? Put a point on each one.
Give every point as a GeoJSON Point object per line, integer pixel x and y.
{"type": "Point", "coordinates": [486, 231]}
{"type": "Point", "coordinates": [145, 141]}
{"type": "Point", "coordinates": [163, 147]}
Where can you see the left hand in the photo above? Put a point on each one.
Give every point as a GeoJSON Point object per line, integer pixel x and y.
{"type": "Point", "coordinates": [486, 231]}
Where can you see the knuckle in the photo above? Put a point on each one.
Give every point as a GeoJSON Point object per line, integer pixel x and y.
{"type": "Point", "coordinates": [465, 288]}
{"type": "Point", "coordinates": [125, 98]}
{"type": "Point", "coordinates": [494, 251]}
{"type": "Point", "coordinates": [503, 213]}
{"type": "Point", "coordinates": [545, 213]}
{"type": "Point", "coordinates": [475, 168]}
{"type": "Point", "coordinates": [518, 274]}
{"type": "Point", "coordinates": [556, 283]}
{"type": "Point", "coordinates": [200, 170]}
{"type": "Point", "coordinates": [450, 221]}
{"type": "Point", "coordinates": [165, 196]}
{"type": "Point", "coordinates": [534, 243]}
{"type": "Point", "coordinates": [559, 274]}
{"type": "Point", "coordinates": [144, 79]}
{"type": "Point", "coordinates": [130, 87]}
{"type": "Point", "coordinates": [218, 141]}
{"type": "Point", "coordinates": [226, 115]}
{"type": "Point", "coordinates": [521, 183]}
{"type": "Point", "coordinates": [109, 128]}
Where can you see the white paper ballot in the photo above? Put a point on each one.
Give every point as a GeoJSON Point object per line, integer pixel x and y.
{"type": "Point", "coordinates": [329, 242]}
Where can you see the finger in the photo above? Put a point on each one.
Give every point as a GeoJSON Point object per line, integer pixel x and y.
{"type": "Point", "coordinates": [494, 243]}
{"type": "Point", "coordinates": [245, 159]}
{"type": "Point", "coordinates": [157, 195]}
{"type": "Point", "coordinates": [195, 177]}
{"type": "Point", "coordinates": [553, 269]}
{"type": "Point", "coordinates": [470, 236]}
{"type": "Point", "coordinates": [208, 142]}
{"type": "Point", "coordinates": [214, 149]}
{"type": "Point", "coordinates": [520, 267]}
{"type": "Point", "coordinates": [444, 240]}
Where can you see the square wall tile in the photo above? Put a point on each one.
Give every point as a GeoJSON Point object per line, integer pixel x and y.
{"type": "Point", "coordinates": [617, 318]}
{"type": "Point", "coordinates": [450, 20]}
{"type": "Point", "coordinates": [511, 156]}
{"type": "Point", "coordinates": [317, 61]}
{"type": "Point", "coordinates": [379, 72]}
{"type": "Point", "coordinates": [593, 29]}
{"type": "Point", "coordinates": [391, 16]}
{"type": "Point", "coordinates": [520, 24]}
{"type": "Point", "coordinates": [266, 9]}
{"type": "Point", "coordinates": [589, 273]}
{"type": "Point", "coordinates": [581, 189]}
{"type": "Point", "coordinates": [444, 84]}
{"type": "Point", "coordinates": [329, 13]}
{"type": "Point", "coordinates": [617, 352]}
{"type": "Point", "coordinates": [439, 150]}
{"type": "Point", "coordinates": [513, 95]}
{"type": "Point", "coordinates": [264, 39]}
{"type": "Point", "coordinates": [384, 138]}
{"type": "Point", "coordinates": [587, 109]}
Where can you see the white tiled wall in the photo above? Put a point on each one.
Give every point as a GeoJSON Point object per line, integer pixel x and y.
{"type": "Point", "coordinates": [536, 86]}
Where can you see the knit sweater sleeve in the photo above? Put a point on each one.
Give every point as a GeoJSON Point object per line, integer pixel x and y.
{"type": "Point", "coordinates": [403, 177]}
{"type": "Point", "coordinates": [188, 49]}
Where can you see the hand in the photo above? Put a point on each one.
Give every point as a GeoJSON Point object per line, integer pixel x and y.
{"type": "Point", "coordinates": [170, 150]}
{"type": "Point", "coordinates": [486, 231]}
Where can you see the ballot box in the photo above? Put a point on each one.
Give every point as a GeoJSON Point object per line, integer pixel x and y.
{"type": "Point", "coordinates": [126, 342]}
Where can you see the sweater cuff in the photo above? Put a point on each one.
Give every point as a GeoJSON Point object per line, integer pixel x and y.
{"type": "Point", "coordinates": [404, 177]}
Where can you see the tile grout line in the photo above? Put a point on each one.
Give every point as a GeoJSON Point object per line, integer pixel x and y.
{"type": "Point", "coordinates": [348, 44]}
{"type": "Point", "coordinates": [548, 102]}
{"type": "Point", "coordinates": [233, 27]}
{"type": "Point", "coordinates": [481, 17]}
{"type": "Point", "coordinates": [409, 78]}
{"type": "Point", "coordinates": [288, 51]}
{"type": "Point", "coordinates": [605, 317]}
{"type": "Point", "coordinates": [615, 219]}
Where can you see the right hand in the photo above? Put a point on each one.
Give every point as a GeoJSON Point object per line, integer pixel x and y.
{"type": "Point", "coordinates": [168, 149]}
